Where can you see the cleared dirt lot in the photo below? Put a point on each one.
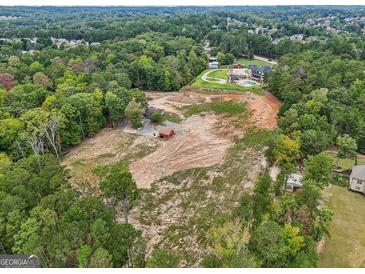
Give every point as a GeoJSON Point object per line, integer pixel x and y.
{"type": "Point", "coordinates": [201, 143]}
{"type": "Point", "coordinates": [190, 181]}
{"type": "Point", "coordinates": [264, 108]}
{"type": "Point", "coordinates": [109, 146]}
{"type": "Point", "coordinates": [197, 146]}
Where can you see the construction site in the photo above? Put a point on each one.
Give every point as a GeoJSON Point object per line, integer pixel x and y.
{"type": "Point", "coordinates": [181, 165]}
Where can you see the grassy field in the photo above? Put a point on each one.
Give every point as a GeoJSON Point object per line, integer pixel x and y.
{"type": "Point", "coordinates": [346, 248]}
{"type": "Point", "coordinates": [222, 74]}
{"type": "Point", "coordinates": [247, 62]}
{"type": "Point", "coordinates": [344, 163]}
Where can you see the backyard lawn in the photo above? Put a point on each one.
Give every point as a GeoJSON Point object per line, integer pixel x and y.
{"type": "Point", "coordinates": [247, 62]}
{"type": "Point", "coordinates": [223, 74]}
{"type": "Point", "coordinates": [346, 248]}
{"type": "Point", "coordinates": [344, 163]}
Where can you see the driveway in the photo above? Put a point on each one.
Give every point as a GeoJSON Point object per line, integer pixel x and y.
{"type": "Point", "coordinates": [216, 81]}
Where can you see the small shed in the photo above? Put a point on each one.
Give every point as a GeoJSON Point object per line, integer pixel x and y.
{"type": "Point", "coordinates": [166, 133]}
{"type": "Point", "coordinates": [357, 179]}
{"type": "Point", "coordinates": [294, 182]}
{"type": "Point", "coordinates": [213, 65]}
{"type": "Point", "coordinates": [238, 66]}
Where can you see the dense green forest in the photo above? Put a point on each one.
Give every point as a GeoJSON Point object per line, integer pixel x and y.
{"type": "Point", "coordinates": [53, 95]}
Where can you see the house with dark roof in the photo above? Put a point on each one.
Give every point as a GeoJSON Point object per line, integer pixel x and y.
{"type": "Point", "coordinates": [357, 179]}
{"type": "Point", "coordinates": [258, 73]}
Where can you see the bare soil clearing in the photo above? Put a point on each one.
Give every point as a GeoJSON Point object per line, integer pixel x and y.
{"type": "Point", "coordinates": [106, 147]}
{"type": "Point", "coordinates": [177, 212]}
{"type": "Point", "coordinates": [200, 144]}
{"type": "Point", "coordinates": [197, 146]}
{"type": "Point", "coordinates": [189, 182]}
{"type": "Point", "coordinates": [264, 108]}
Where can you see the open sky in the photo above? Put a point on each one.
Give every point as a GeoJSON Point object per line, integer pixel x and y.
{"type": "Point", "coordinates": [176, 2]}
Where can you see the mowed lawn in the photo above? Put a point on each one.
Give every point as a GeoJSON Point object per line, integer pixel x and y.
{"type": "Point", "coordinates": [256, 62]}
{"type": "Point", "coordinates": [346, 248]}
{"type": "Point", "coordinates": [345, 163]}
{"type": "Point", "coordinates": [222, 74]}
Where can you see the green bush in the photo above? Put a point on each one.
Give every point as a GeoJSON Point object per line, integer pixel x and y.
{"type": "Point", "coordinates": [340, 180]}
{"type": "Point", "coordinates": [134, 112]}
{"type": "Point", "coordinates": [156, 117]}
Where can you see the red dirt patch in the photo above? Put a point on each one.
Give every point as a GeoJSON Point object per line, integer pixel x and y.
{"type": "Point", "coordinates": [197, 146]}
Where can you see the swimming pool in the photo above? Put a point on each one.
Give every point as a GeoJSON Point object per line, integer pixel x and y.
{"type": "Point", "coordinates": [248, 83]}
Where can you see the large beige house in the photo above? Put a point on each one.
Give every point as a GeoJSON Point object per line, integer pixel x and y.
{"type": "Point", "coordinates": [357, 179]}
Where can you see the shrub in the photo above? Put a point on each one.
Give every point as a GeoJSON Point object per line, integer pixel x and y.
{"type": "Point", "coordinates": [134, 112]}
{"type": "Point", "coordinates": [156, 117]}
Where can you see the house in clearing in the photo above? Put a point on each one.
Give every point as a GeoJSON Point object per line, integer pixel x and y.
{"type": "Point", "coordinates": [294, 182]}
{"type": "Point", "coordinates": [357, 179]}
{"type": "Point", "coordinates": [236, 74]}
{"type": "Point", "coordinates": [166, 133]}
{"type": "Point", "coordinates": [258, 73]}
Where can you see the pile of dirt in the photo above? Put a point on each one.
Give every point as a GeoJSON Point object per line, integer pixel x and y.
{"type": "Point", "coordinates": [264, 110]}
{"type": "Point", "coordinates": [197, 146]}
{"type": "Point", "coordinates": [161, 100]}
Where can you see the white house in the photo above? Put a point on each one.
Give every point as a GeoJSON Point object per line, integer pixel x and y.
{"type": "Point", "coordinates": [294, 182]}
{"type": "Point", "coordinates": [357, 179]}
